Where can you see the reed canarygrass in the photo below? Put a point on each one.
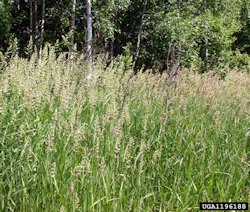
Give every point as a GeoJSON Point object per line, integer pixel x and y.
{"type": "Point", "coordinates": [116, 143]}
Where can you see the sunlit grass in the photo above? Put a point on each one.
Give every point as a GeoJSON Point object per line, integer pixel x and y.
{"type": "Point", "coordinates": [70, 144]}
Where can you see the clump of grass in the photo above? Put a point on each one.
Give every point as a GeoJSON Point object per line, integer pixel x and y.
{"type": "Point", "coordinates": [72, 144]}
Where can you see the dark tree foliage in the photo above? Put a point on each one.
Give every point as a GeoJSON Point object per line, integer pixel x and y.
{"type": "Point", "coordinates": [200, 34]}
{"type": "Point", "coordinates": [243, 36]}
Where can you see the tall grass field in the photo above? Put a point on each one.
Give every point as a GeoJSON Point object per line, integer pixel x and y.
{"type": "Point", "coordinates": [120, 143]}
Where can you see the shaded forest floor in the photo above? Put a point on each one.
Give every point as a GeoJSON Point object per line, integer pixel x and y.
{"type": "Point", "coordinates": [114, 144]}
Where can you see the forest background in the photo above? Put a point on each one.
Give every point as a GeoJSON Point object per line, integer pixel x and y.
{"type": "Point", "coordinates": [154, 34]}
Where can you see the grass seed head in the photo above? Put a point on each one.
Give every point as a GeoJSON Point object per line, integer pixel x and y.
{"type": "Point", "coordinates": [53, 170]}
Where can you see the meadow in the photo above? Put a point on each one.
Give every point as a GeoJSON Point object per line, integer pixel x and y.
{"type": "Point", "coordinates": [120, 143]}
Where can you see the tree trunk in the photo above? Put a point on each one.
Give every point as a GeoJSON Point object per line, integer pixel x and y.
{"type": "Point", "coordinates": [89, 37]}
{"type": "Point", "coordinates": [72, 28]}
{"type": "Point", "coordinates": [35, 22]}
{"type": "Point", "coordinates": [42, 31]}
{"type": "Point", "coordinates": [140, 34]}
{"type": "Point", "coordinates": [205, 46]}
{"type": "Point", "coordinates": [32, 34]}
{"type": "Point", "coordinates": [112, 50]}
{"type": "Point", "coordinates": [18, 5]}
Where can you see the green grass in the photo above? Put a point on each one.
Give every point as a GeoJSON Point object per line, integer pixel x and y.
{"type": "Point", "coordinates": [68, 144]}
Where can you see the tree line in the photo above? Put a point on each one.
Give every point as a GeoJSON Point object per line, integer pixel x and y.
{"type": "Point", "coordinates": [157, 34]}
